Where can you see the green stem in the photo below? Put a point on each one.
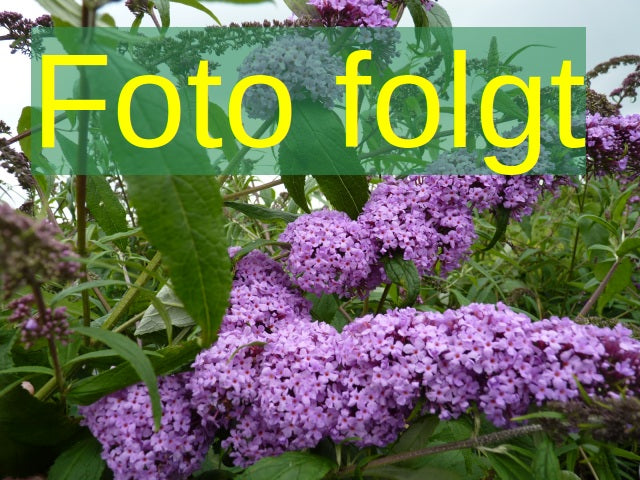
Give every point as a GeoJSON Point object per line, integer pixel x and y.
{"type": "Point", "coordinates": [383, 298]}
{"type": "Point", "coordinates": [60, 117]}
{"type": "Point", "coordinates": [88, 20]}
{"type": "Point", "coordinates": [128, 323]}
{"type": "Point", "coordinates": [42, 314]}
{"type": "Point", "coordinates": [248, 191]}
{"type": "Point", "coordinates": [605, 281]}
{"type": "Point", "coordinates": [237, 158]}
{"type": "Point", "coordinates": [475, 442]}
{"type": "Point", "coordinates": [123, 305]}
{"type": "Point", "coordinates": [576, 238]}
{"type": "Point", "coordinates": [345, 314]}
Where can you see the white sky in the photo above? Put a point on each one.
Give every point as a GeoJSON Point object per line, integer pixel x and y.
{"type": "Point", "coordinates": [613, 29]}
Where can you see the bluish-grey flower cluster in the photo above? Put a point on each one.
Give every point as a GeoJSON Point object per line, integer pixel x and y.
{"type": "Point", "coordinates": [305, 65]}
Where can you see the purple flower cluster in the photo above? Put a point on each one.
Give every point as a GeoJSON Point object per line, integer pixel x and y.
{"type": "Point", "coordinates": [54, 325]}
{"type": "Point", "coordinates": [262, 295]}
{"type": "Point", "coordinates": [330, 253]}
{"type": "Point", "coordinates": [353, 13]}
{"type": "Point", "coordinates": [123, 423]}
{"type": "Point", "coordinates": [520, 193]}
{"type": "Point", "coordinates": [426, 219]}
{"type": "Point", "coordinates": [304, 64]}
{"type": "Point", "coordinates": [303, 381]}
{"type": "Point", "coordinates": [613, 143]}
{"type": "Point", "coordinates": [272, 391]}
{"type": "Point", "coordinates": [282, 382]}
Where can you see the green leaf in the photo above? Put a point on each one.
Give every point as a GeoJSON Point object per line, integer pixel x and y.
{"type": "Point", "coordinates": [152, 321]}
{"type": "Point", "coordinates": [502, 216]}
{"type": "Point", "coordinates": [81, 461]}
{"type": "Point", "coordinates": [24, 124]}
{"type": "Point", "coordinates": [418, 14]}
{"type": "Point", "coordinates": [620, 280]}
{"type": "Point", "coordinates": [220, 128]}
{"type": "Point", "coordinates": [182, 216]}
{"type": "Point", "coordinates": [84, 286]}
{"type": "Point", "coordinates": [600, 221]}
{"type": "Point", "coordinates": [262, 213]}
{"type": "Point", "coordinates": [164, 7]}
{"type": "Point", "coordinates": [295, 187]}
{"type": "Point", "coordinates": [512, 57]}
{"type": "Point", "coordinates": [405, 273]}
{"type": "Point", "coordinates": [28, 369]}
{"type": "Point", "coordinates": [90, 389]}
{"type": "Point", "coordinates": [7, 338]}
{"type": "Point", "coordinates": [545, 465]}
{"type": "Point", "coordinates": [592, 232]}
{"type": "Point", "coordinates": [98, 354]}
{"type": "Point", "coordinates": [242, 2]}
{"type": "Point", "coordinates": [440, 27]}
{"type": "Point", "coordinates": [391, 472]}
{"type": "Point", "coordinates": [438, 17]}
{"type": "Point", "coordinates": [620, 204]}
{"type": "Point", "coordinates": [324, 308]}
{"type": "Point", "coordinates": [289, 466]}
{"type": "Point", "coordinates": [417, 436]}
{"type": "Point", "coordinates": [302, 9]}
{"type": "Point", "coordinates": [31, 433]}
{"type": "Point", "coordinates": [347, 193]}
{"type": "Point", "coordinates": [629, 245]}
{"type": "Point", "coordinates": [315, 145]}
{"type": "Point", "coordinates": [506, 105]}
{"type": "Point", "coordinates": [567, 475]}
{"type": "Point", "coordinates": [552, 415]}
{"type": "Point", "coordinates": [134, 355]}
{"type": "Point", "coordinates": [605, 465]}
{"type": "Point", "coordinates": [251, 246]}
{"type": "Point", "coordinates": [508, 467]}
{"type": "Point", "coordinates": [105, 207]}
{"type": "Point", "coordinates": [69, 12]}
{"type": "Point", "coordinates": [198, 6]}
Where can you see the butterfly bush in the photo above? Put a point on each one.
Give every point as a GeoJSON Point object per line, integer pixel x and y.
{"type": "Point", "coordinates": [30, 253]}
{"type": "Point", "coordinates": [613, 143]}
{"type": "Point", "coordinates": [123, 423]}
{"type": "Point", "coordinates": [261, 295]}
{"type": "Point", "coordinates": [302, 382]}
{"type": "Point", "coordinates": [426, 219]}
{"type": "Point", "coordinates": [353, 13]}
{"type": "Point", "coordinates": [53, 325]}
{"type": "Point", "coordinates": [304, 64]}
{"type": "Point", "coordinates": [281, 381]}
{"type": "Point", "coordinates": [272, 391]}
{"type": "Point", "coordinates": [330, 253]}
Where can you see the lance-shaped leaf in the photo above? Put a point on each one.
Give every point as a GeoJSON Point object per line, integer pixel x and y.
{"type": "Point", "coordinates": [182, 217]}
{"type": "Point", "coordinates": [315, 145]}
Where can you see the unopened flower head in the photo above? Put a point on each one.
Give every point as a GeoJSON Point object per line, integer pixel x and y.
{"type": "Point", "coordinates": [53, 325]}
{"type": "Point", "coordinates": [31, 252]}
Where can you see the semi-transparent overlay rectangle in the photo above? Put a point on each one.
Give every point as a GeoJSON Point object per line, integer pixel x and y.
{"type": "Point", "coordinates": [307, 61]}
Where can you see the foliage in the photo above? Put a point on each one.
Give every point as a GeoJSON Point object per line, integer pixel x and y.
{"type": "Point", "coordinates": [158, 284]}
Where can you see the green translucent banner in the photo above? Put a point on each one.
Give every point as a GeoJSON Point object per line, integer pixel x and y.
{"type": "Point", "coordinates": [322, 101]}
